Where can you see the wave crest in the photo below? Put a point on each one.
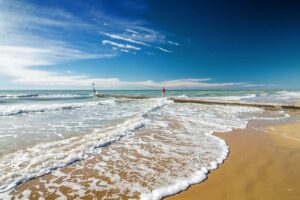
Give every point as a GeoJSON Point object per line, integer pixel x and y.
{"type": "Point", "coordinates": [34, 108]}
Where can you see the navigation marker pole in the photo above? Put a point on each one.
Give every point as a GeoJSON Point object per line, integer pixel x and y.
{"type": "Point", "coordinates": [94, 90]}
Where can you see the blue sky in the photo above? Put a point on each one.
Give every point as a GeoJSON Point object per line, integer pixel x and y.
{"type": "Point", "coordinates": [119, 44]}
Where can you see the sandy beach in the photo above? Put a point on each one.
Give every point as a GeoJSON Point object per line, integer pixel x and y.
{"type": "Point", "coordinates": [263, 164]}
{"type": "Point", "coordinates": [159, 149]}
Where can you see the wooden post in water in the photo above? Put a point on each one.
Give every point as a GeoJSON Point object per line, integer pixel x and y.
{"type": "Point", "coordinates": [94, 90]}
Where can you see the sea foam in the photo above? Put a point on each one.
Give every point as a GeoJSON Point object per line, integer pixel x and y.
{"type": "Point", "coordinates": [165, 147]}
{"type": "Point", "coordinates": [40, 96]}
{"type": "Point", "coordinates": [8, 110]}
{"type": "Point", "coordinates": [46, 157]}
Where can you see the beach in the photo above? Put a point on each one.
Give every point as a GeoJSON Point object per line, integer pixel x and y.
{"type": "Point", "coordinates": [121, 100]}
{"type": "Point", "coordinates": [83, 147]}
{"type": "Point", "coordinates": [263, 164]}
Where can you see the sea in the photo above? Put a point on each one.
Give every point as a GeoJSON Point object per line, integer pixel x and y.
{"type": "Point", "coordinates": [117, 148]}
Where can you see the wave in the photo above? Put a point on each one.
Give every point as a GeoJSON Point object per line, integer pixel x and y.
{"type": "Point", "coordinates": [41, 96]}
{"type": "Point", "coordinates": [59, 95]}
{"type": "Point", "coordinates": [191, 136]}
{"type": "Point", "coordinates": [279, 96]}
{"type": "Point", "coordinates": [230, 98]}
{"type": "Point", "coordinates": [46, 157]}
{"type": "Point", "coordinates": [289, 94]}
{"type": "Point", "coordinates": [34, 108]}
{"type": "Point", "coordinates": [15, 96]}
{"type": "Point", "coordinates": [209, 124]}
{"type": "Point", "coordinates": [271, 96]}
{"type": "Point", "coordinates": [182, 96]}
{"type": "Point", "coordinates": [196, 177]}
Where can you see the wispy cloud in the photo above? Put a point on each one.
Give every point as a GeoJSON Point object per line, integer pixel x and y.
{"type": "Point", "coordinates": [120, 45]}
{"type": "Point", "coordinates": [164, 50]}
{"type": "Point", "coordinates": [118, 37]}
{"type": "Point", "coordinates": [124, 50]}
{"type": "Point", "coordinates": [136, 38]}
{"type": "Point", "coordinates": [174, 43]}
{"type": "Point", "coordinates": [189, 84]}
{"type": "Point", "coordinates": [131, 31]}
{"type": "Point", "coordinates": [32, 37]}
{"type": "Point", "coordinates": [21, 64]}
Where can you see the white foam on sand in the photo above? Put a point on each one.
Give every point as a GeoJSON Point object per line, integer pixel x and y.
{"type": "Point", "coordinates": [172, 147]}
{"type": "Point", "coordinates": [183, 183]}
{"type": "Point", "coordinates": [213, 125]}
{"type": "Point", "coordinates": [43, 158]}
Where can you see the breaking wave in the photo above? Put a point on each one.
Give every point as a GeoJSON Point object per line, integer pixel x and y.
{"type": "Point", "coordinates": [9, 110]}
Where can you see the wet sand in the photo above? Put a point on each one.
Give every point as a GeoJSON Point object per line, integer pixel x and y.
{"type": "Point", "coordinates": [263, 164]}
{"type": "Point", "coordinates": [132, 161]}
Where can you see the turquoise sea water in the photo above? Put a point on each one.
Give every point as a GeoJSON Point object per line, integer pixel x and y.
{"type": "Point", "coordinates": [43, 94]}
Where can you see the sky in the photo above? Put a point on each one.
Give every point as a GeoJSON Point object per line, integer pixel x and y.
{"type": "Point", "coordinates": [149, 44]}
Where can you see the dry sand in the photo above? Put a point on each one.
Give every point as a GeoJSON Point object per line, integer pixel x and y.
{"type": "Point", "coordinates": [263, 164]}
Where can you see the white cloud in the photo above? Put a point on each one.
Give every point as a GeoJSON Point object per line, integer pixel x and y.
{"type": "Point", "coordinates": [173, 43]}
{"type": "Point", "coordinates": [164, 50]}
{"type": "Point", "coordinates": [137, 38]}
{"type": "Point", "coordinates": [188, 84]}
{"type": "Point", "coordinates": [257, 85]}
{"type": "Point", "coordinates": [132, 31]}
{"type": "Point", "coordinates": [149, 35]}
{"type": "Point", "coordinates": [118, 37]}
{"type": "Point", "coordinates": [124, 50]}
{"type": "Point", "coordinates": [120, 45]}
{"type": "Point", "coordinates": [30, 38]}
{"type": "Point", "coordinates": [21, 65]}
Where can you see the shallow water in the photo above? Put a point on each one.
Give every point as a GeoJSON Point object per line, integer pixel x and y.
{"type": "Point", "coordinates": [162, 147]}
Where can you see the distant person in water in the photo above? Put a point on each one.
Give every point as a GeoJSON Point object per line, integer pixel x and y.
{"type": "Point", "coordinates": [94, 90]}
{"type": "Point", "coordinates": [163, 92]}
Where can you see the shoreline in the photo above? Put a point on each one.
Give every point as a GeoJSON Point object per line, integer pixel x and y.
{"type": "Point", "coordinates": [251, 170]}
{"type": "Point", "coordinates": [257, 134]}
